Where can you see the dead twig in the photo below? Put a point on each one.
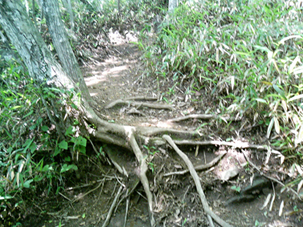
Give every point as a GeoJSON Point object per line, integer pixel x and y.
{"type": "Point", "coordinates": [126, 212]}
{"type": "Point", "coordinates": [199, 167]}
{"type": "Point", "coordinates": [112, 207]}
{"type": "Point", "coordinates": [91, 183]}
{"type": "Point", "coordinates": [268, 177]}
{"type": "Point", "coordinates": [209, 212]}
{"type": "Point", "coordinates": [85, 194]}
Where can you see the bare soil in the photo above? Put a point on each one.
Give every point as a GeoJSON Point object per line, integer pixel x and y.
{"type": "Point", "coordinates": [119, 76]}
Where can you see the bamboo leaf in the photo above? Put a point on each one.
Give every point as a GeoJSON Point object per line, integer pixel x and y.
{"type": "Point", "coordinates": [300, 186]}
{"type": "Point", "coordinates": [293, 64]}
{"type": "Point", "coordinates": [295, 98]}
{"type": "Point", "coordinates": [280, 91]}
{"type": "Point", "coordinates": [261, 100]}
{"type": "Point", "coordinates": [299, 137]}
{"type": "Point", "coordinates": [289, 37]}
{"type": "Point", "coordinates": [277, 125]}
{"type": "Point", "coordinates": [271, 124]}
{"type": "Point", "coordinates": [232, 80]}
{"type": "Point", "coordinates": [298, 70]}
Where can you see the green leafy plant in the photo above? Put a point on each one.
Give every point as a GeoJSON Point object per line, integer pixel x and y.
{"type": "Point", "coordinates": [151, 166]}
{"type": "Point", "coordinates": [31, 157]}
{"type": "Point", "coordinates": [184, 222]}
{"type": "Point", "coordinates": [257, 223]}
{"type": "Point", "coordinates": [151, 150]}
{"type": "Point", "coordinates": [238, 57]}
{"type": "Point", "coordinates": [236, 188]}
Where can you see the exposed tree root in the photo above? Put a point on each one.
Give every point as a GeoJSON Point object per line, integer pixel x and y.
{"type": "Point", "coordinates": [142, 98]}
{"type": "Point", "coordinates": [203, 117]}
{"type": "Point", "coordinates": [127, 137]}
{"type": "Point", "coordinates": [199, 167]}
{"type": "Point", "coordinates": [193, 116]}
{"type": "Point", "coordinates": [237, 144]}
{"type": "Point", "coordinates": [138, 104]}
{"type": "Point", "coordinates": [134, 111]}
{"type": "Point", "coordinates": [195, 176]}
{"type": "Point", "coordinates": [142, 174]}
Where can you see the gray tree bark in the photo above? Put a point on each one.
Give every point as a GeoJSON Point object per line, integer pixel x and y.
{"type": "Point", "coordinates": [30, 45]}
{"type": "Point", "coordinates": [62, 45]}
{"type": "Point", "coordinates": [67, 4]}
{"type": "Point", "coordinates": [119, 9]}
{"type": "Point", "coordinates": [42, 66]}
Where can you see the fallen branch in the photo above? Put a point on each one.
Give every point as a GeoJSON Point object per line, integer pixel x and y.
{"type": "Point", "coordinates": [199, 167]}
{"type": "Point", "coordinates": [138, 104]}
{"type": "Point", "coordinates": [195, 176]}
{"type": "Point", "coordinates": [109, 214]}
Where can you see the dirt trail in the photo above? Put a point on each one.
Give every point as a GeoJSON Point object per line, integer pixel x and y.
{"type": "Point", "coordinates": [177, 203]}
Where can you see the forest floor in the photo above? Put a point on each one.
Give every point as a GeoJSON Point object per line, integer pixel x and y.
{"type": "Point", "coordinates": [118, 76]}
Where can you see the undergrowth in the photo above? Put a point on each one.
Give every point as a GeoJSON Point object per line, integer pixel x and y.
{"type": "Point", "coordinates": [38, 140]}
{"type": "Point", "coordinates": [247, 55]}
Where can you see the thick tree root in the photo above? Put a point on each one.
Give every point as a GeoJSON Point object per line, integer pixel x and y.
{"type": "Point", "coordinates": [203, 117]}
{"type": "Point", "coordinates": [127, 136]}
{"type": "Point", "coordinates": [199, 167]}
{"type": "Point", "coordinates": [138, 104]}
{"type": "Point", "coordinates": [237, 144]}
{"type": "Point", "coordinates": [195, 176]}
{"type": "Point", "coordinates": [142, 98]}
{"type": "Point", "coordinates": [142, 174]}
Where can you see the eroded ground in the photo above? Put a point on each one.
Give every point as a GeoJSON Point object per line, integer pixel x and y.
{"type": "Point", "coordinates": [119, 76]}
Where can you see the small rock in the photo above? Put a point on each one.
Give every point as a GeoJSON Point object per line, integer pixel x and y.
{"type": "Point", "coordinates": [228, 174]}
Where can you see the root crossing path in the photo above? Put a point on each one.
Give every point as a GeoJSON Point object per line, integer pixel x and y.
{"type": "Point", "coordinates": [146, 180]}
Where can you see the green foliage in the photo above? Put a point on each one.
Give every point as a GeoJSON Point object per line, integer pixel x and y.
{"type": "Point", "coordinates": [34, 152]}
{"type": "Point", "coordinates": [151, 152]}
{"type": "Point", "coordinates": [236, 188]}
{"type": "Point", "coordinates": [246, 55]}
{"type": "Point", "coordinates": [105, 15]}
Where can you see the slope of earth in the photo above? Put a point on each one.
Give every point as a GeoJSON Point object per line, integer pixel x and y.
{"type": "Point", "coordinates": [234, 188]}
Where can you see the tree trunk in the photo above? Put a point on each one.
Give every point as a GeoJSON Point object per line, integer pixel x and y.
{"type": "Point", "coordinates": [42, 66]}
{"type": "Point", "coordinates": [119, 10]}
{"type": "Point", "coordinates": [30, 45]}
{"type": "Point", "coordinates": [62, 45]}
{"type": "Point", "coordinates": [67, 4]}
